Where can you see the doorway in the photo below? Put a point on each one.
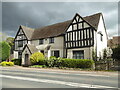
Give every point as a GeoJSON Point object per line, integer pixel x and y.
{"type": "Point", "coordinates": [26, 59]}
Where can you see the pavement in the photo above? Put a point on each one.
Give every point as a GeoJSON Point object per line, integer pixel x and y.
{"type": "Point", "coordinates": [23, 77]}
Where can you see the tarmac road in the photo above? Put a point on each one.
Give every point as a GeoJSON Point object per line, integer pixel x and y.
{"type": "Point", "coordinates": [13, 77]}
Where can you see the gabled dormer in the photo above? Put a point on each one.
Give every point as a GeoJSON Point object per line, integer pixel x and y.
{"type": "Point", "coordinates": [22, 37]}
{"type": "Point", "coordinates": [80, 33]}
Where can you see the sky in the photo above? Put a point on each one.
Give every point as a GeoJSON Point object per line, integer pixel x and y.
{"type": "Point", "coordinates": [38, 14]}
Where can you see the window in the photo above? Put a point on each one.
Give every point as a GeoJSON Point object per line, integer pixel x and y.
{"type": "Point", "coordinates": [51, 40]}
{"type": "Point", "coordinates": [78, 54]}
{"type": "Point", "coordinates": [75, 27]}
{"type": "Point", "coordinates": [101, 37]}
{"type": "Point", "coordinates": [19, 37]}
{"type": "Point", "coordinates": [20, 43]}
{"type": "Point", "coordinates": [41, 41]}
{"type": "Point", "coordinates": [55, 53]}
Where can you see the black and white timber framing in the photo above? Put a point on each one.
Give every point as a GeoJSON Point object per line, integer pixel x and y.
{"type": "Point", "coordinates": [20, 40]}
{"type": "Point", "coordinates": [81, 34]}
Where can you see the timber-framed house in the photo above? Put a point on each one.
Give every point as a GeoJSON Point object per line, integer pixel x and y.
{"type": "Point", "coordinates": [76, 38]}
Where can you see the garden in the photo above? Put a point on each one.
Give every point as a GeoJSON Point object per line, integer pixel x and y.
{"type": "Point", "coordinates": [39, 61]}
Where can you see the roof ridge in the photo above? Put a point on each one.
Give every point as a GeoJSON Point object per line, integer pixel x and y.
{"type": "Point", "coordinates": [27, 27]}
{"type": "Point", "coordinates": [93, 14]}
{"type": "Point", "coordinates": [52, 24]}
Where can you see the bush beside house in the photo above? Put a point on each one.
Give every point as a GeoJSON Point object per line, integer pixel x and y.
{"type": "Point", "coordinates": [17, 61]}
{"type": "Point", "coordinates": [37, 58]}
{"type": "Point", "coordinates": [7, 63]}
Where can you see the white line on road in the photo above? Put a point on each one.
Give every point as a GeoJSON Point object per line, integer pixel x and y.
{"type": "Point", "coordinates": [56, 82]}
{"type": "Point", "coordinates": [85, 74]}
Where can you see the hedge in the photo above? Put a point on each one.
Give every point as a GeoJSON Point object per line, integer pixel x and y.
{"type": "Point", "coordinates": [70, 63]}
{"type": "Point", "coordinates": [77, 63]}
{"type": "Point", "coordinates": [17, 61]}
{"type": "Point", "coordinates": [7, 63]}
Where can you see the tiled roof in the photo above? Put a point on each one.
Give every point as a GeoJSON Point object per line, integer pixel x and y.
{"type": "Point", "coordinates": [32, 48]}
{"type": "Point", "coordinates": [52, 30]}
{"type": "Point", "coordinates": [28, 31]}
{"type": "Point", "coordinates": [93, 20]}
{"type": "Point", "coordinates": [58, 29]}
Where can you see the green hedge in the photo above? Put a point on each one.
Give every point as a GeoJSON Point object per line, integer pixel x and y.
{"type": "Point", "coordinates": [17, 61]}
{"type": "Point", "coordinates": [7, 63]}
{"type": "Point", "coordinates": [77, 63]}
{"type": "Point", "coordinates": [70, 63]}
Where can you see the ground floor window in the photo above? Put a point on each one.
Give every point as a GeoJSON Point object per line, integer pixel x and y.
{"type": "Point", "coordinates": [55, 53]}
{"type": "Point", "coordinates": [78, 54]}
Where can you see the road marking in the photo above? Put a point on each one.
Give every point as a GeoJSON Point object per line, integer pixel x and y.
{"type": "Point", "coordinates": [85, 74]}
{"type": "Point", "coordinates": [35, 74]}
{"type": "Point", "coordinates": [93, 75]}
{"type": "Point", "coordinates": [56, 82]}
{"type": "Point", "coordinates": [52, 76]}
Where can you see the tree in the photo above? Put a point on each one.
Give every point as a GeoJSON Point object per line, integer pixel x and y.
{"type": "Point", "coordinates": [37, 57]}
{"type": "Point", "coordinates": [10, 41]}
{"type": "Point", "coordinates": [4, 51]}
{"type": "Point", "coordinates": [116, 53]}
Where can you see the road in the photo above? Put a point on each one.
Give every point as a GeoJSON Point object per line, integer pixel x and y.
{"type": "Point", "coordinates": [13, 77]}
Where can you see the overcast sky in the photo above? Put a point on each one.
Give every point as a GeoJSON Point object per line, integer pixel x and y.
{"type": "Point", "coordinates": [38, 14]}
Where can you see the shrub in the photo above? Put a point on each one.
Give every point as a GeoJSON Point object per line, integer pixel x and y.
{"type": "Point", "coordinates": [77, 63]}
{"type": "Point", "coordinates": [10, 63]}
{"type": "Point", "coordinates": [50, 62]}
{"type": "Point", "coordinates": [3, 63]}
{"type": "Point", "coordinates": [7, 63]}
{"type": "Point", "coordinates": [17, 61]}
{"type": "Point", "coordinates": [37, 57]}
{"type": "Point", "coordinates": [53, 62]}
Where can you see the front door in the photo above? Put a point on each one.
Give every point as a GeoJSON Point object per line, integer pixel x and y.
{"type": "Point", "coordinates": [26, 59]}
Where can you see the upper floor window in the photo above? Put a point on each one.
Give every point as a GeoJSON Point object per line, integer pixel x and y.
{"type": "Point", "coordinates": [101, 37]}
{"type": "Point", "coordinates": [51, 40]}
{"type": "Point", "coordinates": [19, 37]}
{"type": "Point", "coordinates": [40, 41]}
{"type": "Point", "coordinates": [20, 43]}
